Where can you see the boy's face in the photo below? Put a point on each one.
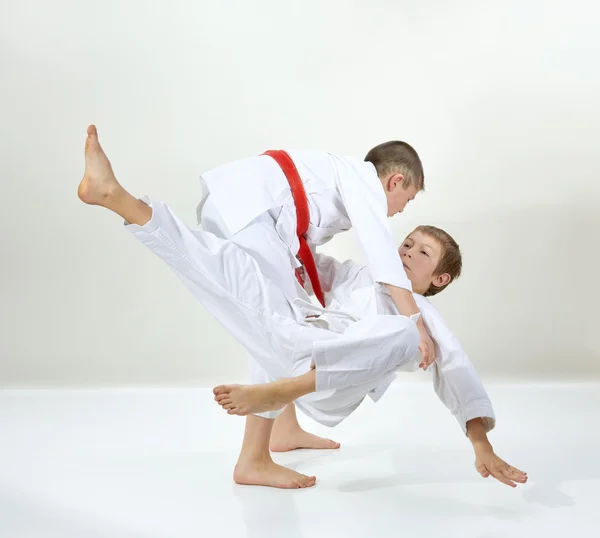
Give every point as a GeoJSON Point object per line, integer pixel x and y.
{"type": "Point", "coordinates": [397, 196]}
{"type": "Point", "coordinates": [420, 254]}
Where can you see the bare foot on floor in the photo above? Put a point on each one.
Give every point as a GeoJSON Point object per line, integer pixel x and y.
{"type": "Point", "coordinates": [250, 399]}
{"type": "Point", "coordinates": [286, 441]}
{"type": "Point", "coordinates": [99, 181]}
{"type": "Point", "coordinates": [268, 473]}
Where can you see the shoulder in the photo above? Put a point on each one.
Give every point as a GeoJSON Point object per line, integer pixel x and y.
{"type": "Point", "coordinates": [354, 164]}
{"type": "Point", "coordinates": [435, 323]}
{"type": "Point", "coordinates": [431, 315]}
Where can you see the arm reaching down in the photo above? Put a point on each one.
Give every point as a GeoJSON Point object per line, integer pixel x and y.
{"type": "Point", "coordinates": [460, 389]}
{"type": "Point", "coordinates": [455, 380]}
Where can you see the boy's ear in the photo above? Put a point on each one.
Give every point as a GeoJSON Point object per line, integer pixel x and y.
{"type": "Point", "coordinates": [393, 181]}
{"type": "Point", "coordinates": [441, 280]}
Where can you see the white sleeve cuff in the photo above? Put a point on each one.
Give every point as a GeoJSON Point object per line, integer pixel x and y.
{"type": "Point", "coordinates": [481, 408]}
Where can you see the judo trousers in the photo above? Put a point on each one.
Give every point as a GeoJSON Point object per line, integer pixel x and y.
{"type": "Point", "coordinates": [228, 281]}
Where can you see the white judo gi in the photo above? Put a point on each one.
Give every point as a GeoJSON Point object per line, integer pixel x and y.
{"type": "Point", "coordinates": [250, 202]}
{"type": "Point", "coordinates": [271, 325]}
{"type": "Point", "coordinates": [356, 346]}
{"type": "Point", "coordinates": [349, 288]}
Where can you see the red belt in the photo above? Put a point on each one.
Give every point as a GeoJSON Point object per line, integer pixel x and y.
{"type": "Point", "coordinates": [302, 214]}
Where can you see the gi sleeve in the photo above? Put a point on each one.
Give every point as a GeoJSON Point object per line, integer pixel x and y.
{"type": "Point", "coordinates": [333, 273]}
{"type": "Point", "coordinates": [366, 205]}
{"type": "Point", "coordinates": [455, 380]}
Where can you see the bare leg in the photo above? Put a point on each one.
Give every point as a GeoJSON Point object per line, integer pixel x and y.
{"type": "Point", "coordinates": [288, 435]}
{"type": "Point", "coordinates": [246, 399]}
{"type": "Point", "coordinates": [99, 185]}
{"type": "Point", "coordinates": [255, 466]}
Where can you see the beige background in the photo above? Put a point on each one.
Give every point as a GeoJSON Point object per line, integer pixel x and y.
{"type": "Point", "coordinates": [500, 99]}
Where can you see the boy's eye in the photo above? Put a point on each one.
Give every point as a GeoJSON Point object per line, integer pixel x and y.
{"type": "Point", "coordinates": [423, 252]}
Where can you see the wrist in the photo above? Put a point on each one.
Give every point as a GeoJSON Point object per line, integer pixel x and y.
{"type": "Point", "coordinates": [481, 446]}
{"type": "Point", "coordinates": [476, 432]}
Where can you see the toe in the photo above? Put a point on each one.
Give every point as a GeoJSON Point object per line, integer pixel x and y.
{"type": "Point", "coordinates": [300, 481]}
{"type": "Point", "coordinates": [217, 390]}
{"type": "Point", "coordinates": [309, 481]}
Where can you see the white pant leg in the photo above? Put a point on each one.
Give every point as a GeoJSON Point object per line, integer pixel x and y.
{"type": "Point", "coordinates": [230, 285]}
{"type": "Point", "coordinates": [262, 241]}
{"type": "Point", "coordinates": [349, 367]}
{"type": "Point", "coordinates": [366, 352]}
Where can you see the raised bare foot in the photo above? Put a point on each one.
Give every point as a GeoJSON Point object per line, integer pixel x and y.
{"type": "Point", "coordinates": [291, 440]}
{"type": "Point", "coordinates": [99, 181]}
{"type": "Point", "coordinates": [268, 473]}
{"type": "Point", "coordinates": [251, 399]}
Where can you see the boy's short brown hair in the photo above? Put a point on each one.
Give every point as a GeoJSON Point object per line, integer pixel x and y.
{"type": "Point", "coordinates": [450, 260]}
{"type": "Point", "coordinates": [398, 157]}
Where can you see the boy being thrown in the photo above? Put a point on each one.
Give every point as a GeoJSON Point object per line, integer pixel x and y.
{"type": "Point", "coordinates": [432, 260]}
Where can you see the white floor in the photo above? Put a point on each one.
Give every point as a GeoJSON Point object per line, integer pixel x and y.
{"type": "Point", "coordinates": [158, 463]}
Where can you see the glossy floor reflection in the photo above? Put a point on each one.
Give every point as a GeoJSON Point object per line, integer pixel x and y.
{"type": "Point", "coordinates": [145, 463]}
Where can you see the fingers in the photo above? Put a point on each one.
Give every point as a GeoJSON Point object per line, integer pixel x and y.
{"type": "Point", "coordinates": [483, 471]}
{"type": "Point", "coordinates": [516, 475]}
{"type": "Point", "coordinates": [430, 360]}
{"type": "Point", "coordinates": [516, 470]}
{"type": "Point", "coordinates": [509, 475]}
{"type": "Point", "coordinates": [428, 355]}
{"type": "Point", "coordinates": [424, 355]}
{"type": "Point", "coordinates": [497, 473]}
{"type": "Point", "coordinates": [500, 470]}
{"type": "Point", "coordinates": [426, 346]}
{"type": "Point", "coordinates": [512, 473]}
{"type": "Point", "coordinates": [500, 477]}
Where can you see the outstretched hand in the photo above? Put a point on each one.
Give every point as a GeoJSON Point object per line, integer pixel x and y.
{"type": "Point", "coordinates": [488, 464]}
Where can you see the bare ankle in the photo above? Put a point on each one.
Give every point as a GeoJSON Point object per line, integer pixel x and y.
{"type": "Point", "coordinates": [253, 461]}
{"type": "Point", "coordinates": [116, 194]}
{"type": "Point", "coordinates": [285, 427]}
